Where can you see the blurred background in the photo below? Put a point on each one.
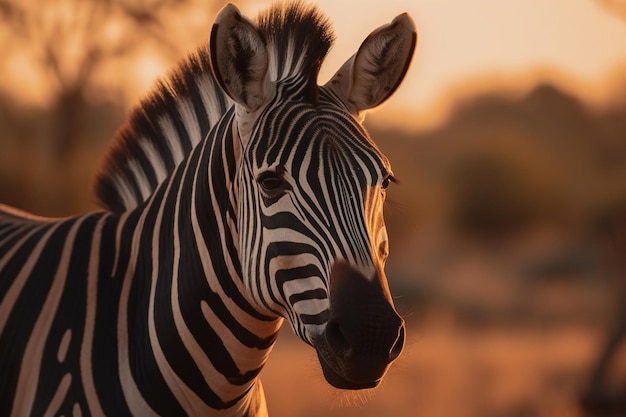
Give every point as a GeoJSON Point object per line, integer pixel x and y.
{"type": "Point", "coordinates": [508, 226]}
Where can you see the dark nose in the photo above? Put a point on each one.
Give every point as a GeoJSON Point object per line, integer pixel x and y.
{"type": "Point", "coordinates": [364, 333]}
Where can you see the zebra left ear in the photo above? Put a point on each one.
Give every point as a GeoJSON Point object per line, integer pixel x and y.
{"type": "Point", "coordinates": [374, 73]}
{"type": "Point", "coordinates": [239, 58]}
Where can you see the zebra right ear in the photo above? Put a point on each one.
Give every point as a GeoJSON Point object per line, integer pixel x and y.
{"type": "Point", "coordinates": [374, 73]}
{"type": "Point", "coordinates": [239, 58]}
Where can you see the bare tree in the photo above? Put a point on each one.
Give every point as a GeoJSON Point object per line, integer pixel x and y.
{"type": "Point", "coordinates": [68, 41]}
{"type": "Point", "coordinates": [602, 397]}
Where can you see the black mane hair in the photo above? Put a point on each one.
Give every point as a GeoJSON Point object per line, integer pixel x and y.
{"type": "Point", "coordinates": [183, 107]}
{"type": "Point", "coordinates": [299, 37]}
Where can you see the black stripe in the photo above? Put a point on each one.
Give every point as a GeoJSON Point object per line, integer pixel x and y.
{"type": "Point", "coordinates": [311, 294]}
{"type": "Point", "coordinates": [315, 319]}
{"type": "Point", "coordinates": [105, 362]}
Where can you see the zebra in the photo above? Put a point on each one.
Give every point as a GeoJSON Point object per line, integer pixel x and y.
{"type": "Point", "coordinates": [238, 194]}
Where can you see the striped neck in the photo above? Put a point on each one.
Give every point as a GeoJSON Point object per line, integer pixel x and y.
{"type": "Point", "coordinates": [207, 340]}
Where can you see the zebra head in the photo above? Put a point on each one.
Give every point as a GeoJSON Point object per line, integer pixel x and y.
{"type": "Point", "coordinates": [311, 183]}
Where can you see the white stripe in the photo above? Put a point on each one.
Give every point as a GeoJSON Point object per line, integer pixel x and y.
{"type": "Point", "coordinates": [64, 345]}
{"type": "Point", "coordinates": [125, 192]}
{"type": "Point", "coordinates": [59, 396]}
{"type": "Point", "coordinates": [155, 159]}
{"type": "Point", "coordinates": [188, 115]}
{"type": "Point", "coordinates": [86, 348]}
{"type": "Point", "coordinates": [136, 403]}
{"type": "Point", "coordinates": [25, 216]}
{"type": "Point", "coordinates": [118, 242]}
{"type": "Point", "coordinates": [140, 179]}
{"type": "Point", "coordinates": [169, 131]}
{"type": "Point", "coordinates": [209, 96]}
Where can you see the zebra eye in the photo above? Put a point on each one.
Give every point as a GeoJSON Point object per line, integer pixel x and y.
{"type": "Point", "coordinates": [388, 180]}
{"type": "Point", "coordinates": [271, 182]}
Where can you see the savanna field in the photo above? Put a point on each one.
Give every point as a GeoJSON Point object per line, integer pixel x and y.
{"type": "Point", "coordinates": [447, 371]}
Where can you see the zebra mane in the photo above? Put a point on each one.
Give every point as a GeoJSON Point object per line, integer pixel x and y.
{"type": "Point", "coordinates": [160, 131]}
{"type": "Point", "coordinates": [183, 107]}
{"type": "Point", "coordinates": [299, 37]}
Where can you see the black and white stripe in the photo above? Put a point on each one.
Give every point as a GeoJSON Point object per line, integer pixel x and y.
{"type": "Point", "coordinates": [115, 312]}
{"type": "Point", "coordinates": [239, 195]}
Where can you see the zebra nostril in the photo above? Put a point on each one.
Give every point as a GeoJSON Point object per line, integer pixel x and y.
{"type": "Point", "coordinates": [336, 339]}
{"type": "Point", "coordinates": [396, 349]}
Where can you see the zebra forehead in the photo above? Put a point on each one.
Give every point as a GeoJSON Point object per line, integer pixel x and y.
{"type": "Point", "coordinates": [315, 134]}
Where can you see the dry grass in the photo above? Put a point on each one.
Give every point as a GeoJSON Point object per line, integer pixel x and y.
{"type": "Point", "coordinates": [446, 371]}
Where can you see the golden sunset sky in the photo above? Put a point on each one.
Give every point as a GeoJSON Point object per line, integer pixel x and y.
{"type": "Point", "coordinates": [576, 43]}
{"type": "Point", "coordinates": [464, 46]}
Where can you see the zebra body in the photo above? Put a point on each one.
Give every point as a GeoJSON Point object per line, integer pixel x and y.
{"type": "Point", "coordinates": [98, 315]}
{"type": "Point", "coordinates": [238, 197]}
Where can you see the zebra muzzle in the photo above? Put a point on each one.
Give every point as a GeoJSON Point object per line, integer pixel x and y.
{"type": "Point", "coordinates": [364, 334]}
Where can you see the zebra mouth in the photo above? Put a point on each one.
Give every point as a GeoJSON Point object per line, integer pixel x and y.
{"type": "Point", "coordinates": [339, 381]}
{"type": "Point", "coordinates": [340, 373]}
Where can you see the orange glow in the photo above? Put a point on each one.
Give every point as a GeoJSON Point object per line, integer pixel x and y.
{"type": "Point", "coordinates": [579, 41]}
{"type": "Point", "coordinates": [504, 322]}
{"type": "Point", "coordinates": [597, 93]}
{"type": "Point", "coordinates": [148, 68]}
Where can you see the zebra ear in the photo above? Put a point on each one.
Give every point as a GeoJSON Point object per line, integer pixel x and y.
{"type": "Point", "coordinates": [239, 58]}
{"type": "Point", "coordinates": [374, 73]}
